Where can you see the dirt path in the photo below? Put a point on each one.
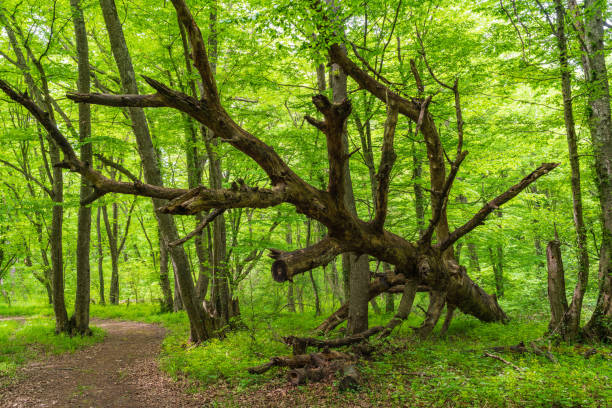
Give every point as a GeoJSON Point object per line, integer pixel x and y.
{"type": "Point", "coordinates": [121, 371]}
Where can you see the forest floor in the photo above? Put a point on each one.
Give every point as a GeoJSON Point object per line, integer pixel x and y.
{"type": "Point", "coordinates": [121, 371]}
{"type": "Point", "coordinates": [141, 357]}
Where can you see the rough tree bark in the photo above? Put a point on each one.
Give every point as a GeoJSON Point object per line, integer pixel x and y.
{"type": "Point", "coordinates": [194, 176]}
{"type": "Point", "coordinates": [355, 268]}
{"type": "Point", "coordinates": [600, 125]}
{"type": "Point", "coordinates": [556, 286]}
{"type": "Point", "coordinates": [81, 303]}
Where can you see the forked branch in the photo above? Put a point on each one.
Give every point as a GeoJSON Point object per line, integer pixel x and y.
{"type": "Point", "coordinates": [333, 126]}
{"type": "Point", "coordinates": [494, 204]}
{"type": "Point", "coordinates": [200, 227]}
{"type": "Point", "coordinates": [198, 49]}
{"type": "Point", "coordinates": [387, 160]}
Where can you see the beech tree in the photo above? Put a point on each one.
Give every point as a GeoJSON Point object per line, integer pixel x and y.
{"type": "Point", "coordinates": [427, 264]}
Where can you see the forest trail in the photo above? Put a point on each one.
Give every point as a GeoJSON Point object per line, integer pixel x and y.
{"type": "Point", "coordinates": [121, 371]}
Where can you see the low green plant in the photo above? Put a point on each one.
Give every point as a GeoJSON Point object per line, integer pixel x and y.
{"type": "Point", "coordinates": [32, 338]}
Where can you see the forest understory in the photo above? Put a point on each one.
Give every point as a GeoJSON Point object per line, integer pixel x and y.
{"type": "Point", "coordinates": [452, 371]}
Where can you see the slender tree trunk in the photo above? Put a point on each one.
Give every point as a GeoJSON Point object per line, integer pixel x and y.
{"type": "Point", "coordinates": [315, 288]}
{"type": "Point", "coordinates": [47, 274]}
{"type": "Point", "coordinates": [111, 233]}
{"type": "Point", "coordinates": [43, 99]}
{"type": "Point", "coordinates": [178, 301]}
{"type": "Point", "coordinates": [335, 282]}
{"type": "Point", "coordinates": [221, 290]}
{"type": "Point", "coordinates": [568, 325]}
{"type": "Point", "coordinates": [389, 303]}
{"type": "Point", "coordinates": [474, 262]}
{"type": "Point", "coordinates": [100, 257]}
{"type": "Point", "coordinates": [201, 325]}
{"type": "Point", "coordinates": [290, 297]}
{"type": "Point", "coordinates": [164, 282]}
{"type": "Point", "coordinates": [496, 257]}
{"type": "Point", "coordinates": [81, 304]}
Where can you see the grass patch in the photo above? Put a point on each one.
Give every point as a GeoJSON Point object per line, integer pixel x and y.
{"type": "Point", "coordinates": [33, 338]}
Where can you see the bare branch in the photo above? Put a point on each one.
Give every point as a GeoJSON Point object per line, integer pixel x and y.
{"type": "Point", "coordinates": [28, 176]}
{"type": "Point", "coordinates": [202, 199]}
{"type": "Point", "coordinates": [139, 101]}
{"type": "Point", "coordinates": [198, 50]}
{"type": "Point", "coordinates": [118, 167]}
{"type": "Point", "coordinates": [333, 127]}
{"type": "Point", "coordinates": [387, 160]}
{"type": "Point", "coordinates": [417, 76]}
{"type": "Point", "coordinates": [494, 204]}
{"type": "Point", "coordinates": [198, 230]}
{"type": "Point", "coordinates": [368, 66]}
{"type": "Point", "coordinates": [442, 198]}
{"type": "Point", "coordinates": [71, 162]}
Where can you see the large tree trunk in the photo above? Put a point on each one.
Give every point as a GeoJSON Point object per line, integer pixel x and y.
{"type": "Point", "coordinates": [201, 326]}
{"type": "Point", "coordinates": [81, 303]}
{"type": "Point", "coordinates": [356, 269]}
{"type": "Point", "coordinates": [221, 290]}
{"type": "Point", "coordinates": [600, 125]}
{"type": "Point", "coordinates": [47, 274]}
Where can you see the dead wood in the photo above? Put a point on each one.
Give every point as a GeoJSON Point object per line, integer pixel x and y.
{"type": "Point", "coordinates": [300, 344]}
{"type": "Point", "coordinates": [300, 361]}
{"type": "Point", "coordinates": [351, 379]}
{"type": "Point", "coordinates": [502, 360]}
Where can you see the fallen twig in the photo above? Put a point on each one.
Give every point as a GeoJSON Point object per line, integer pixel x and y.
{"type": "Point", "coordinates": [503, 361]}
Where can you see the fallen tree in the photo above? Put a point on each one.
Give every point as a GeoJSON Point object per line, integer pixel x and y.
{"type": "Point", "coordinates": [426, 263]}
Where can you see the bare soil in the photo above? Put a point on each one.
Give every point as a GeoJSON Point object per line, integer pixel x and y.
{"type": "Point", "coordinates": [121, 371]}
